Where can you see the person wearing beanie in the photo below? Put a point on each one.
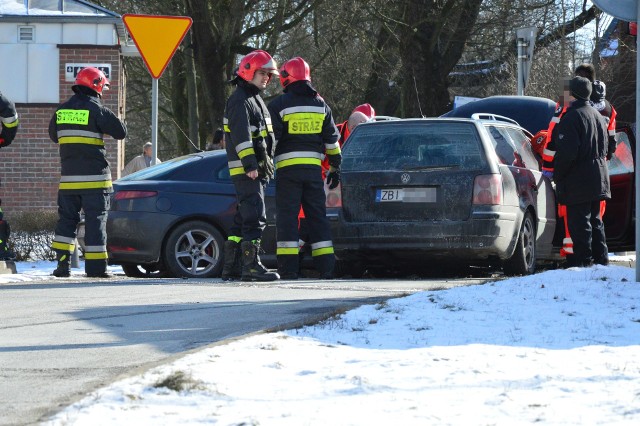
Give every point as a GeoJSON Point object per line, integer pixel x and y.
{"type": "Point", "coordinates": [581, 175]}
{"type": "Point", "coordinates": [580, 88]}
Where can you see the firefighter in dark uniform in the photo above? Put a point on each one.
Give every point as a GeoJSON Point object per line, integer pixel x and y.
{"type": "Point", "coordinates": [78, 126]}
{"type": "Point", "coordinates": [305, 131]}
{"type": "Point", "coordinates": [581, 174]}
{"type": "Point", "coordinates": [9, 120]}
{"type": "Point", "coordinates": [249, 144]}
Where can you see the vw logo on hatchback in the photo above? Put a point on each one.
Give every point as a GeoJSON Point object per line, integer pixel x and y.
{"type": "Point", "coordinates": [405, 178]}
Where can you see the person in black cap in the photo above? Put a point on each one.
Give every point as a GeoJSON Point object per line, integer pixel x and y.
{"type": "Point", "coordinates": [581, 174]}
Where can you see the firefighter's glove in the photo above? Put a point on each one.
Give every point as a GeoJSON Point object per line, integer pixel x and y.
{"type": "Point", "coordinates": [260, 148]}
{"type": "Point", "coordinates": [266, 168]}
{"type": "Point", "coordinates": [333, 178]}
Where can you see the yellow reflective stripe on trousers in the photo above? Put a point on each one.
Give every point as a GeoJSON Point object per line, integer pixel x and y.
{"type": "Point", "coordinates": [63, 243]}
{"type": "Point", "coordinates": [96, 256]}
{"type": "Point", "coordinates": [287, 248]}
{"type": "Point", "coordinates": [321, 247]}
{"type": "Point", "coordinates": [95, 252]}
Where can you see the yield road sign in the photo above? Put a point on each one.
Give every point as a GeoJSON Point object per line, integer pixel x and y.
{"type": "Point", "coordinates": [157, 38]}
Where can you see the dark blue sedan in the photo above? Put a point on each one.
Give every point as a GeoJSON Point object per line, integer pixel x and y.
{"type": "Point", "coordinates": [172, 219]}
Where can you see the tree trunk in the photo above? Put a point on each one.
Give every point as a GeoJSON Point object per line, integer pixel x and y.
{"type": "Point", "coordinates": [431, 44]}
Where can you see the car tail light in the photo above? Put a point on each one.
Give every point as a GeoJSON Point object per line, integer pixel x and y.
{"type": "Point", "coordinates": [128, 195]}
{"type": "Point", "coordinates": [334, 196]}
{"type": "Point", "coordinates": [487, 189]}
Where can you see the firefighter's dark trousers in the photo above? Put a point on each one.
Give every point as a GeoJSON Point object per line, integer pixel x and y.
{"type": "Point", "coordinates": [5, 232]}
{"type": "Point", "coordinates": [250, 218]}
{"type": "Point", "coordinates": [95, 206]}
{"type": "Point", "coordinates": [297, 186]}
{"type": "Point", "coordinates": [587, 232]}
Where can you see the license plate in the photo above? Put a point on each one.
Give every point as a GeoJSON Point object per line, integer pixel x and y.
{"type": "Point", "coordinates": [406, 195]}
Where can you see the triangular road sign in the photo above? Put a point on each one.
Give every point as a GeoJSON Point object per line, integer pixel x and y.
{"type": "Point", "coordinates": [157, 38]}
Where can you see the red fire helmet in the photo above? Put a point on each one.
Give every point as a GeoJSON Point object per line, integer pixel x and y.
{"type": "Point", "coordinates": [296, 69]}
{"type": "Point", "coordinates": [254, 61]}
{"type": "Point", "coordinates": [92, 78]}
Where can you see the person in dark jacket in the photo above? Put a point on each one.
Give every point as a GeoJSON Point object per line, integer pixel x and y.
{"type": "Point", "coordinates": [581, 174]}
{"type": "Point", "coordinates": [249, 143]}
{"type": "Point", "coordinates": [78, 126]}
{"type": "Point", "coordinates": [304, 128]}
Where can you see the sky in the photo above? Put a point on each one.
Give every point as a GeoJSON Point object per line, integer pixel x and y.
{"type": "Point", "coordinates": [559, 347]}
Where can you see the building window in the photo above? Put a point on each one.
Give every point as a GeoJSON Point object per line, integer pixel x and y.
{"type": "Point", "coordinates": [26, 34]}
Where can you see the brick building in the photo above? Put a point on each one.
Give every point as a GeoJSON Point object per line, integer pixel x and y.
{"type": "Point", "coordinates": [43, 44]}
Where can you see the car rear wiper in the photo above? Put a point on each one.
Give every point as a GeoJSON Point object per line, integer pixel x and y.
{"type": "Point", "coordinates": [446, 166]}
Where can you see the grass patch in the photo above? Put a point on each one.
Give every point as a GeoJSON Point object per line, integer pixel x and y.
{"type": "Point", "coordinates": [179, 381]}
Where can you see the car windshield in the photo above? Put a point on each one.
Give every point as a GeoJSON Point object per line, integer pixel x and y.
{"type": "Point", "coordinates": [413, 146]}
{"type": "Point", "coordinates": [160, 169]}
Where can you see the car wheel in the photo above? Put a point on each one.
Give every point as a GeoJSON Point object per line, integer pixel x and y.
{"type": "Point", "coordinates": [194, 250]}
{"type": "Point", "coordinates": [523, 261]}
{"type": "Point", "coordinates": [143, 271]}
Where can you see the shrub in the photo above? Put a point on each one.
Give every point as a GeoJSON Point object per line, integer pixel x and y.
{"type": "Point", "coordinates": [31, 234]}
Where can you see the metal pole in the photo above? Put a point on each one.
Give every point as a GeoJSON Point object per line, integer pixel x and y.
{"type": "Point", "coordinates": [637, 150]}
{"type": "Point", "coordinates": [520, 68]}
{"type": "Point", "coordinates": [154, 120]}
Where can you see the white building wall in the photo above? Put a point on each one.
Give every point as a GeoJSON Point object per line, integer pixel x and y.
{"type": "Point", "coordinates": [33, 74]}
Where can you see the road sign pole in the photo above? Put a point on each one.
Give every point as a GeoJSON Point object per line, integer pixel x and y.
{"type": "Point", "coordinates": [154, 120]}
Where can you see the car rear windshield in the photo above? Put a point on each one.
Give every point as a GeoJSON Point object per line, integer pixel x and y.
{"type": "Point", "coordinates": [413, 146]}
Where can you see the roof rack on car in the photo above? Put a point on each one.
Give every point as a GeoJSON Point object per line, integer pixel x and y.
{"type": "Point", "coordinates": [494, 117]}
{"type": "Point", "coordinates": [384, 118]}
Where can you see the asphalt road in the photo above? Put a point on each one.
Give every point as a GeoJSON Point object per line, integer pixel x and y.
{"type": "Point", "coordinates": [60, 340]}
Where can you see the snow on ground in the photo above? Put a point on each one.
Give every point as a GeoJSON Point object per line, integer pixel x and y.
{"type": "Point", "coordinates": [558, 347]}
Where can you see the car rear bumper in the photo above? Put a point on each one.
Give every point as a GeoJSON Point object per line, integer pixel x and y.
{"type": "Point", "coordinates": [486, 234]}
{"type": "Point", "coordinates": [136, 237]}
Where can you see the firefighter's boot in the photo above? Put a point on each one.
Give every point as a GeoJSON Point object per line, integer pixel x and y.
{"type": "Point", "coordinates": [252, 269]}
{"type": "Point", "coordinates": [232, 269]}
{"type": "Point", "coordinates": [63, 270]}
